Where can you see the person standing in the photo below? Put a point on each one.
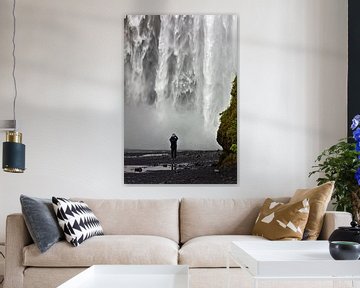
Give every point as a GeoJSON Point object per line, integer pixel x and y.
{"type": "Point", "coordinates": [173, 145]}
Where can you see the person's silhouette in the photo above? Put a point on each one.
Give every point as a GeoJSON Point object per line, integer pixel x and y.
{"type": "Point", "coordinates": [173, 145]}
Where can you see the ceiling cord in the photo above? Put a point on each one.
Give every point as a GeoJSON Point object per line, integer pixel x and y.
{"type": "Point", "coordinates": [14, 61]}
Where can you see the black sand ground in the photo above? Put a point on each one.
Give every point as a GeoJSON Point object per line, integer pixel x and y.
{"type": "Point", "coordinates": [190, 167]}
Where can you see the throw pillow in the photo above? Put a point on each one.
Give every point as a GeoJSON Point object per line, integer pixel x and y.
{"type": "Point", "coordinates": [41, 222]}
{"type": "Point", "coordinates": [77, 220]}
{"type": "Point", "coordinates": [279, 221]}
{"type": "Point", "coordinates": [319, 198]}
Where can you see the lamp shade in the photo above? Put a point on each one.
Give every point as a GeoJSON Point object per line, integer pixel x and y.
{"type": "Point", "coordinates": [13, 153]}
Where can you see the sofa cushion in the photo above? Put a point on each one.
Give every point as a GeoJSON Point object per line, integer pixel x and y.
{"type": "Point", "coordinates": [41, 221]}
{"type": "Point", "coordinates": [77, 220]}
{"type": "Point", "coordinates": [35, 277]}
{"type": "Point", "coordinates": [319, 198]}
{"type": "Point", "coordinates": [279, 221]}
{"type": "Point", "coordinates": [107, 249]}
{"type": "Point", "coordinates": [211, 251]}
{"type": "Point", "coordinates": [201, 217]}
{"type": "Point", "coordinates": [158, 217]}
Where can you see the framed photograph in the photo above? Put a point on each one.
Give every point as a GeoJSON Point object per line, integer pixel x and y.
{"type": "Point", "coordinates": [180, 74]}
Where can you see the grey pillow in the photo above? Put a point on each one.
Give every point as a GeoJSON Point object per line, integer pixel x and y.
{"type": "Point", "coordinates": [41, 221]}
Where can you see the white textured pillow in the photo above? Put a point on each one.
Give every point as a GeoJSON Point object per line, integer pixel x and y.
{"type": "Point", "coordinates": [77, 220]}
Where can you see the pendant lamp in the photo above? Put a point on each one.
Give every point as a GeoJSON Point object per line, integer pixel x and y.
{"type": "Point", "coordinates": [13, 159]}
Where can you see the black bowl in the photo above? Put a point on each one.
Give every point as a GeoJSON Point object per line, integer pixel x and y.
{"type": "Point", "coordinates": [344, 250]}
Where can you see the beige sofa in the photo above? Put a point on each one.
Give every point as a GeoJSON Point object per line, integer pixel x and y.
{"type": "Point", "coordinates": [194, 232]}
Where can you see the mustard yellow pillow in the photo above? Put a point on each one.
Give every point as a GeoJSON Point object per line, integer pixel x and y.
{"type": "Point", "coordinates": [319, 198]}
{"type": "Point", "coordinates": [279, 221]}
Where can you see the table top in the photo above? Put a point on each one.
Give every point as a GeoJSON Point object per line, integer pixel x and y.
{"type": "Point", "coordinates": [291, 259]}
{"type": "Point", "coordinates": [131, 276]}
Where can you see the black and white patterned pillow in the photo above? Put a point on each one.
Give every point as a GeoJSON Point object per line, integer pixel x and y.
{"type": "Point", "coordinates": [77, 220]}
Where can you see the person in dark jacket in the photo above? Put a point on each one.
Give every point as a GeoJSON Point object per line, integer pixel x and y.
{"type": "Point", "coordinates": [173, 145]}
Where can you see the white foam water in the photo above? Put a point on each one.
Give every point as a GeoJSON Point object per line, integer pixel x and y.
{"type": "Point", "coordinates": [178, 76]}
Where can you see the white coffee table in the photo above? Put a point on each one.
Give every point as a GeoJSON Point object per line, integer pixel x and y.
{"type": "Point", "coordinates": [131, 276]}
{"type": "Point", "coordinates": [285, 260]}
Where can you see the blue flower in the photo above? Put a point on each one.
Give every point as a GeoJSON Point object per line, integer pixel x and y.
{"type": "Point", "coordinates": [357, 176]}
{"type": "Point", "coordinates": [356, 134]}
{"type": "Point", "coordinates": [355, 122]}
{"type": "Point", "coordinates": [355, 126]}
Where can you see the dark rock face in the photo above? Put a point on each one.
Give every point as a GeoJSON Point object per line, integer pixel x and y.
{"type": "Point", "coordinates": [227, 132]}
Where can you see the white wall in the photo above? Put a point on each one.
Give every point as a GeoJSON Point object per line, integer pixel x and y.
{"type": "Point", "coordinates": [293, 62]}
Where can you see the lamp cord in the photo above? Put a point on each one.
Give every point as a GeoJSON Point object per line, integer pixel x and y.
{"type": "Point", "coordinates": [14, 60]}
{"type": "Point", "coordinates": [2, 280]}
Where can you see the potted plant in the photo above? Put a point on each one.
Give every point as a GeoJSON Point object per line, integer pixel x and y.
{"type": "Point", "coordinates": [341, 163]}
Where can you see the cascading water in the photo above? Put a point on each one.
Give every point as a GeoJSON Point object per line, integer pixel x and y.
{"type": "Point", "coordinates": [178, 75]}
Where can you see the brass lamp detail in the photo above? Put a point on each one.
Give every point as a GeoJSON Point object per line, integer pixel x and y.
{"type": "Point", "coordinates": [13, 153]}
{"type": "Point", "coordinates": [13, 136]}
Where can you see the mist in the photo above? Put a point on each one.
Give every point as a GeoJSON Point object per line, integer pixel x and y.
{"type": "Point", "coordinates": [153, 130]}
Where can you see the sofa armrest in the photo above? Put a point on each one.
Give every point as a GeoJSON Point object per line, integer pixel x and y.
{"type": "Point", "coordinates": [17, 237]}
{"type": "Point", "coordinates": [333, 220]}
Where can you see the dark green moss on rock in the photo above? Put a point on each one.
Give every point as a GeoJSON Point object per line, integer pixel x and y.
{"type": "Point", "coordinates": [227, 132]}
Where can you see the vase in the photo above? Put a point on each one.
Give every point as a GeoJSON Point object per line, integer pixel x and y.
{"type": "Point", "coordinates": [355, 203]}
{"type": "Point", "coordinates": [344, 250]}
{"type": "Point", "coordinates": [346, 233]}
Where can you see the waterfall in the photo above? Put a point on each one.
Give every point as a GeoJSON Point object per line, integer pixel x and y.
{"type": "Point", "coordinates": [178, 71]}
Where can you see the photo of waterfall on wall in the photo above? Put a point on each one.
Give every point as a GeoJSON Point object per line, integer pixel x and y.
{"type": "Point", "coordinates": [180, 99]}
